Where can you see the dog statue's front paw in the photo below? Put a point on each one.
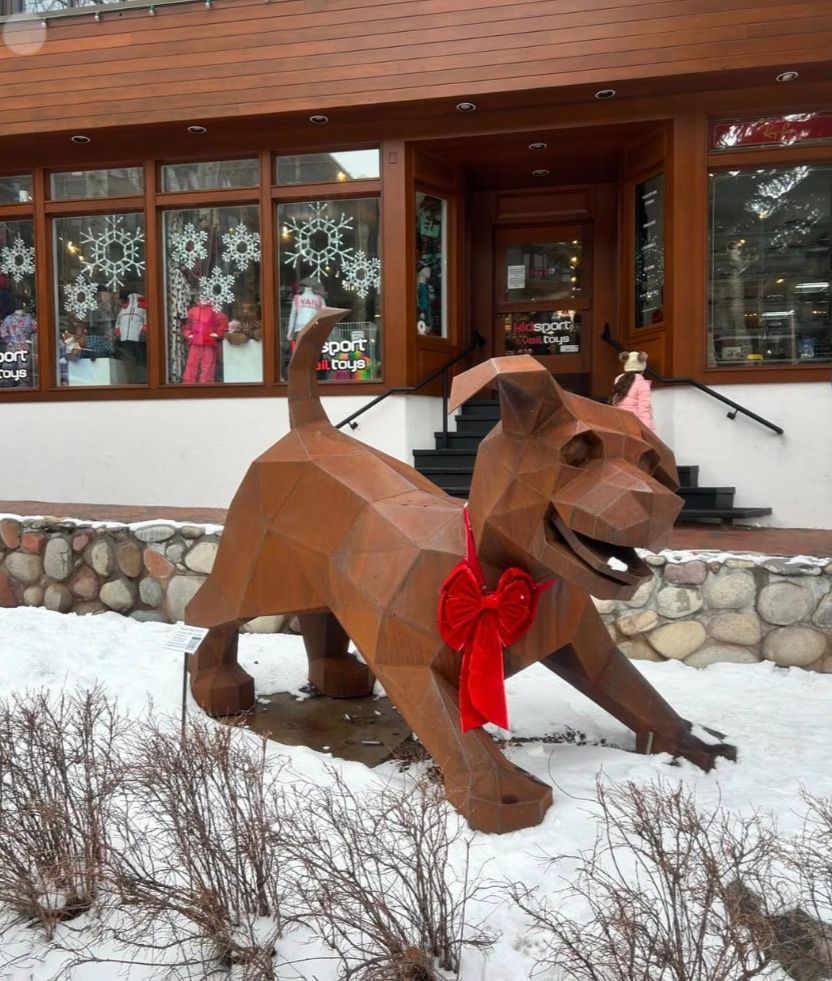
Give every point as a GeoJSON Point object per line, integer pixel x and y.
{"type": "Point", "coordinates": [703, 747]}
{"type": "Point", "coordinates": [504, 798]}
{"type": "Point", "coordinates": [223, 690]}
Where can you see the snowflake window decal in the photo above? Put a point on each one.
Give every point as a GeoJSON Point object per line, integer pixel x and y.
{"type": "Point", "coordinates": [189, 246]}
{"type": "Point", "coordinates": [318, 239]}
{"type": "Point", "coordinates": [216, 289]}
{"type": "Point", "coordinates": [81, 296]}
{"type": "Point", "coordinates": [242, 247]}
{"type": "Point", "coordinates": [114, 251]}
{"type": "Point", "coordinates": [18, 260]}
{"type": "Point", "coordinates": [361, 273]}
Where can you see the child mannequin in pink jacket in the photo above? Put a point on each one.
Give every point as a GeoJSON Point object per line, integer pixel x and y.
{"type": "Point", "coordinates": [631, 390]}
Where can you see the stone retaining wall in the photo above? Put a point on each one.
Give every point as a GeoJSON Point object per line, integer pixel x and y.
{"type": "Point", "coordinates": [696, 610]}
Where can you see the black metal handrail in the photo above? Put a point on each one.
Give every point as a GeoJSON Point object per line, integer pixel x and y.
{"type": "Point", "coordinates": [442, 370]}
{"type": "Point", "coordinates": [606, 336]}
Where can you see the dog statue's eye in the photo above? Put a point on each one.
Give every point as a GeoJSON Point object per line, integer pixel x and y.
{"type": "Point", "coordinates": [579, 449]}
{"type": "Point", "coordinates": [648, 461]}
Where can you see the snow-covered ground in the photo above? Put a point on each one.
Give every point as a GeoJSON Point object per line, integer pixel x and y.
{"type": "Point", "coordinates": [780, 720]}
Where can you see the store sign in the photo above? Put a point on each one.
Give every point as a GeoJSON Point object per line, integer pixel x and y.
{"type": "Point", "coordinates": [14, 366]}
{"type": "Point", "coordinates": [551, 333]}
{"type": "Point", "coordinates": [351, 353]}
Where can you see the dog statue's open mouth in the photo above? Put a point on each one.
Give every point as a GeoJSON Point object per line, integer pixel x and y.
{"type": "Point", "coordinates": [617, 562]}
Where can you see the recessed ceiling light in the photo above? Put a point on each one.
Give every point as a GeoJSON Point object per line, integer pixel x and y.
{"type": "Point", "coordinates": [787, 76]}
{"type": "Point", "coordinates": [465, 106]}
{"type": "Point", "coordinates": [540, 173]}
{"type": "Point", "coordinates": [81, 139]}
{"type": "Point", "coordinates": [605, 94]}
{"type": "Point", "coordinates": [197, 129]}
{"type": "Point", "coordinates": [538, 146]}
{"type": "Point", "coordinates": [318, 119]}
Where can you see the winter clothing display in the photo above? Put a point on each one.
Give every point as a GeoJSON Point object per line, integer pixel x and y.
{"type": "Point", "coordinates": [203, 330]}
{"type": "Point", "coordinates": [304, 307]}
{"type": "Point", "coordinates": [131, 322]}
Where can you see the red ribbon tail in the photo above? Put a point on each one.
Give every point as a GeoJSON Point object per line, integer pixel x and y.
{"type": "Point", "coordinates": [482, 685]}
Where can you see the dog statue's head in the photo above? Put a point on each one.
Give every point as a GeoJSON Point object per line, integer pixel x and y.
{"type": "Point", "coordinates": [566, 486]}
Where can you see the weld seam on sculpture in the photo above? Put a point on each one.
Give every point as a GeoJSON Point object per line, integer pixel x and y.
{"type": "Point", "coordinates": [561, 485]}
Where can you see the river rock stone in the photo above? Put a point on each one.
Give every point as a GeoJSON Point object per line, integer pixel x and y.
{"type": "Point", "coordinates": [201, 557]}
{"type": "Point", "coordinates": [828, 569]}
{"type": "Point", "coordinates": [787, 567]}
{"type": "Point", "coordinates": [642, 594]}
{"type": "Point", "coordinates": [686, 574]}
{"type": "Point", "coordinates": [736, 628]}
{"type": "Point", "coordinates": [148, 616]}
{"type": "Point", "coordinates": [678, 640]}
{"type": "Point", "coordinates": [24, 567]}
{"type": "Point", "coordinates": [32, 596]}
{"type": "Point", "coordinates": [657, 561]}
{"type": "Point", "coordinates": [824, 665]}
{"type": "Point", "coordinates": [157, 565]}
{"type": "Point", "coordinates": [101, 556]}
{"type": "Point", "coordinates": [181, 590]}
{"type": "Point", "coordinates": [739, 564]}
{"type": "Point", "coordinates": [154, 533]}
{"type": "Point", "coordinates": [731, 591]}
{"type": "Point", "coordinates": [33, 542]}
{"type": "Point", "coordinates": [264, 625]}
{"type": "Point", "coordinates": [721, 653]}
{"type": "Point", "coordinates": [823, 614]}
{"type": "Point", "coordinates": [58, 559]}
{"type": "Point", "coordinates": [784, 603]}
{"type": "Point", "coordinates": [129, 559]}
{"type": "Point", "coordinates": [191, 531]}
{"type": "Point", "coordinates": [604, 605]}
{"type": "Point", "coordinates": [8, 599]}
{"type": "Point", "coordinates": [638, 650]}
{"type": "Point", "coordinates": [150, 591]}
{"type": "Point", "coordinates": [794, 647]}
{"type": "Point", "coordinates": [80, 541]}
{"type": "Point", "coordinates": [637, 623]}
{"type": "Point", "coordinates": [176, 552]}
{"type": "Point", "coordinates": [678, 601]}
{"type": "Point", "coordinates": [118, 595]}
{"type": "Point", "coordinates": [57, 598]}
{"type": "Point", "coordinates": [90, 608]}
{"type": "Point", "coordinates": [84, 584]}
{"type": "Point", "coordinates": [10, 533]}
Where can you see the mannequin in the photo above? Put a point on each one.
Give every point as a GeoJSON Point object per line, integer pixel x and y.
{"type": "Point", "coordinates": [17, 333]}
{"type": "Point", "coordinates": [304, 307]}
{"type": "Point", "coordinates": [203, 330]}
{"type": "Point", "coordinates": [131, 331]}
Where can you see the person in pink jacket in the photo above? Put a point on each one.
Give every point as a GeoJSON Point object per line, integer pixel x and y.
{"type": "Point", "coordinates": [203, 330]}
{"type": "Point", "coordinates": [631, 389]}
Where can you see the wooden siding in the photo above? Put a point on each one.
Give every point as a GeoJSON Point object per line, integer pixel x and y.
{"type": "Point", "coordinates": [247, 57]}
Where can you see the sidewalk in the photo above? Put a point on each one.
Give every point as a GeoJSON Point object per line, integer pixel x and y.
{"type": "Point", "coordinates": [769, 541]}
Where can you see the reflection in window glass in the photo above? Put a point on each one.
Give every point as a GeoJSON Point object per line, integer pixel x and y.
{"type": "Point", "coordinates": [541, 271]}
{"type": "Point", "coordinates": [210, 174]}
{"type": "Point", "coordinates": [803, 128]}
{"type": "Point", "coordinates": [18, 326]}
{"type": "Point", "coordinates": [769, 282]}
{"type": "Point", "coordinates": [328, 256]}
{"type": "Point", "coordinates": [100, 298]}
{"type": "Point", "coordinates": [431, 265]}
{"type": "Point", "coordinates": [327, 168]}
{"type": "Point", "coordinates": [649, 252]}
{"type": "Point", "coordinates": [212, 309]}
{"type": "Point", "coordinates": [122, 183]}
{"type": "Point", "coordinates": [16, 190]}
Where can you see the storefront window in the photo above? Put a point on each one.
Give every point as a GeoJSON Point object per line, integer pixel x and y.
{"type": "Point", "coordinates": [16, 190]}
{"type": "Point", "coordinates": [538, 272]}
{"type": "Point", "coordinates": [769, 289]}
{"type": "Point", "coordinates": [122, 183]}
{"type": "Point", "coordinates": [212, 308]}
{"type": "Point", "coordinates": [99, 295]}
{"type": "Point", "coordinates": [210, 174]}
{"type": "Point", "coordinates": [18, 326]}
{"type": "Point", "coordinates": [328, 255]}
{"type": "Point", "coordinates": [803, 128]}
{"type": "Point", "coordinates": [649, 252]}
{"type": "Point", "coordinates": [328, 168]}
{"type": "Point", "coordinates": [431, 265]}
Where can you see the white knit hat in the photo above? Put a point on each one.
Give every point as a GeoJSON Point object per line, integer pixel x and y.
{"type": "Point", "coordinates": [633, 360]}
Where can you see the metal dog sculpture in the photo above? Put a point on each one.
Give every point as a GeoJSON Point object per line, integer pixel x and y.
{"type": "Point", "coordinates": [360, 544]}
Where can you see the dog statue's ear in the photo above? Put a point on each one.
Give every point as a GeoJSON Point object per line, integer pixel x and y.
{"type": "Point", "coordinates": [528, 393]}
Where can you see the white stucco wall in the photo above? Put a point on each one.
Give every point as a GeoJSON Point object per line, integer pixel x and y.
{"type": "Point", "coordinates": [182, 453]}
{"type": "Point", "coordinates": [792, 473]}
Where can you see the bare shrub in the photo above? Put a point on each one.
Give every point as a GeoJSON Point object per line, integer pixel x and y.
{"type": "Point", "coordinates": [59, 773]}
{"type": "Point", "coordinates": [658, 894]}
{"type": "Point", "coordinates": [377, 874]}
{"type": "Point", "coordinates": [198, 869]}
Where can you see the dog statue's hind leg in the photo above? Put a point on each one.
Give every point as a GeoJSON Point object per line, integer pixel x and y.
{"type": "Point", "coordinates": [596, 667]}
{"type": "Point", "coordinates": [333, 670]}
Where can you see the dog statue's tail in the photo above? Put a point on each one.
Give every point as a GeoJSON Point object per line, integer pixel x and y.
{"type": "Point", "coordinates": [304, 397]}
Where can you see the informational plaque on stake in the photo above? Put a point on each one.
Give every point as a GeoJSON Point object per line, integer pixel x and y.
{"type": "Point", "coordinates": [185, 639]}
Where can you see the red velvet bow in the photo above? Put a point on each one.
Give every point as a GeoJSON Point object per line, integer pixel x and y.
{"type": "Point", "coordinates": [481, 623]}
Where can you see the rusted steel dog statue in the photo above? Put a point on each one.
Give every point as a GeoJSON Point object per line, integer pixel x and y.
{"type": "Point", "coordinates": [359, 545]}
